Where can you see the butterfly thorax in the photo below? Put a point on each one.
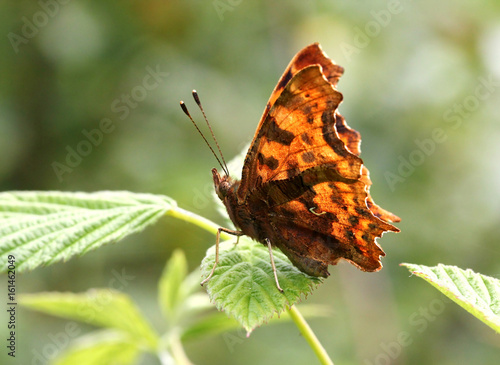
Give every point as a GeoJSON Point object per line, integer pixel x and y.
{"type": "Point", "coordinates": [226, 188]}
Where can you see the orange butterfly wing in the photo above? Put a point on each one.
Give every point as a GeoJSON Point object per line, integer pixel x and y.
{"type": "Point", "coordinates": [304, 163]}
{"type": "Point", "coordinates": [310, 55]}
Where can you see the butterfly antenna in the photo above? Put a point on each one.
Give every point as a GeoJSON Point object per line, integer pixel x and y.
{"type": "Point", "coordinates": [197, 99]}
{"type": "Point", "coordinates": [185, 110]}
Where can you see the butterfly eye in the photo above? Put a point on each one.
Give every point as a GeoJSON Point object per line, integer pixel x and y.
{"type": "Point", "coordinates": [221, 184]}
{"type": "Point", "coordinates": [224, 188]}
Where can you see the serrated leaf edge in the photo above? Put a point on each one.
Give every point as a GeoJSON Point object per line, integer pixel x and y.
{"type": "Point", "coordinates": [463, 301]}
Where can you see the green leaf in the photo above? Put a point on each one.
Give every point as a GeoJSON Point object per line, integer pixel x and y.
{"type": "Point", "coordinates": [197, 302]}
{"type": "Point", "coordinates": [476, 293]}
{"type": "Point", "coordinates": [209, 325]}
{"type": "Point", "coordinates": [243, 283]}
{"type": "Point", "coordinates": [40, 228]}
{"type": "Point", "coordinates": [171, 292]}
{"type": "Point", "coordinates": [99, 307]}
{"type": "Point", "coordinates": [100, 348]}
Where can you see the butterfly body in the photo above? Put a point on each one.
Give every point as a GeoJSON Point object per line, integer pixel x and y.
{"type": "Point", "coordinates": [239, 214]}
{"type": "Point", "coordinates": [304, 188]}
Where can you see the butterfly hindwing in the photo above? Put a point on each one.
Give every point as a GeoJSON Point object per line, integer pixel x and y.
{"type": "Point", "coordinates": [319, 217]}
{"type": "Point", "coordinates": [338, 223]}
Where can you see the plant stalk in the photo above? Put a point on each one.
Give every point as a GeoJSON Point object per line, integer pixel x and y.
{"type": "Point", "coordinates": [178, 351]}
{"type": "Point", "coordinates": [309, 335]}
{"type": "Point", "coordinates": [197, 220]}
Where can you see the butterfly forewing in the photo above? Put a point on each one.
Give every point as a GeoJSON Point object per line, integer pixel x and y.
{"type": "Point", "coordinates": [304, 187]}
{"type": "Point", "coordinates": [310, 55]}
{"type": "Point", "coordinates": [298, 133]}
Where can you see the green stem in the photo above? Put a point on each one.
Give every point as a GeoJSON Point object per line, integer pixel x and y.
{"type": "Point", "coordinates": [309, 335]}
{"type": "Point", "coordinates": [196, 219]}
{"type": "Point", "coordinates": [178, 351]}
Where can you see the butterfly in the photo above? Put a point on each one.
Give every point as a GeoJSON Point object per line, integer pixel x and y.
{"type": "Point", "coordinates": [304, 188]}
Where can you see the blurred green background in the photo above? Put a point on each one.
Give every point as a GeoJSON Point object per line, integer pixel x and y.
{"type": "Point", "coordinates": [421, 84]}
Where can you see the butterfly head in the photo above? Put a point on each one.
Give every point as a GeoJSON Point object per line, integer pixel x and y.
{"type": "Point", "coordinates": [222, 184]}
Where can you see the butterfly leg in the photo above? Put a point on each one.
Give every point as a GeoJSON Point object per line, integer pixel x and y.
{"type": "Point", "coordinates": [272, 264]}
{"type": "Point", "coordinates": [237, 240]}
{"type": "Point", "coordinates": [217, 239]}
